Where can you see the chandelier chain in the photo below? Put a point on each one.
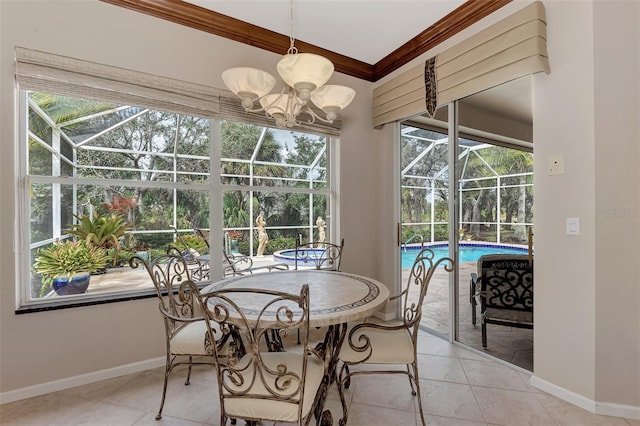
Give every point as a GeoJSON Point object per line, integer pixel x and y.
{"type": "Point", "coordinates": [292, 49]}
{"type": "Point", "coordinates": [304, 74]}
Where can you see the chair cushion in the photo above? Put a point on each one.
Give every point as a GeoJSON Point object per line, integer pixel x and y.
{"type": "Point", "coordinates": [190, 339]}
{"type": "Point", "coordinates": [258, 408]}
{"type": "Point", "coordinates": [509, 315]}
{"type": "Point", "coordinates": [388, 346]}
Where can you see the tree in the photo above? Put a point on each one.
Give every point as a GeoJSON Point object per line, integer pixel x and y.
{"type": "Point", "coordinates": [514, 162]}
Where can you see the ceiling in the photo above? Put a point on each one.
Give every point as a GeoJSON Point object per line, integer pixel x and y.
{"type": "Point", "coordinates": [366, 39]}
{"type": "Point", "coordinates": [364, 30]}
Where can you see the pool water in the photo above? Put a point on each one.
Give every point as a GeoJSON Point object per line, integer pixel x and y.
{"type": "Point", "coordinates": [466, 253]}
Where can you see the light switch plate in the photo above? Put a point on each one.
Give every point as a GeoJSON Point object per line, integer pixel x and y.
{"type": "Point", "coordinates": [573, 226]}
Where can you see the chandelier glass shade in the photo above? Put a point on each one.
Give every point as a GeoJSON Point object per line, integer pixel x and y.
{"type": "Point", "coordinates": [304, 75]}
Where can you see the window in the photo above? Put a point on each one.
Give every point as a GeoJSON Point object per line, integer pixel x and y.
{"type": "Point", "coordinates": [150, 170]}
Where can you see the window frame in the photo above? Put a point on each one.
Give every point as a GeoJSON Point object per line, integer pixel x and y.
{"type": "Point", "coordinates": [25, 303]}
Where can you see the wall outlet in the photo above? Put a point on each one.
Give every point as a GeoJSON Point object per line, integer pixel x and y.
{"type": "Point", "coordinates": [556, 164]}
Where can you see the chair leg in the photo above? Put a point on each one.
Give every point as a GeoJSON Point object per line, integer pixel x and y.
{"type": "Point", "coordinates": [167, 370]}
{"type": "Point", "coordinates": [484, 334]}
{"type": "Point", "coordinates": [340, 382]}
{"type": "Point", "coordinates": [189, 372]}
{"type": "Point", "coordinates": [409, 374]}
{"type": "Point", "coordinates": [472, 300]}
{"type": "Point", "coordinates": [416, 382]}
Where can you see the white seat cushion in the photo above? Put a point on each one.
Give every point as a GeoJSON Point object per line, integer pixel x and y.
{"type": "Point", "coordinates": [257, 408]}
{"type": "Point", "coordinates": [190, 339]}
{"type": "Point", "coordinates": [389, 346]}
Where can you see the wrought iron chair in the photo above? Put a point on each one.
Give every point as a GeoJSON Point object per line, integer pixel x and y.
{"type": "Point", "coordinates": [386, 343]}
{"type": "Point", "coordinates": [504, 287]}
{"type": "Point", "coordinates": [186, 329]}
{"type": "Point", "coordinates": [321, 255]}
{"type": "Point", "coordinates": [287, 387]}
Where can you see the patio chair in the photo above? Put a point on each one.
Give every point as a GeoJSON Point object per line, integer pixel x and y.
{"type": "Point", "coordinates": [199, 262]}
{"type": "Point", "coordinates": [378, 345]}
{"type": "Point", "coordinates": [188, 334]}
{"type": "Point", "coordinates": [319, 254]}
{"type": "Point", "coordinates": [282, 387]}
{"type": "Point", "coordinates": [503, 285]}
{"type": "Point", "coordinates": [239, 264]}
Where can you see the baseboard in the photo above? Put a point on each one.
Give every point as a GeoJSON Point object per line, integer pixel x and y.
{"type": "Point", "coordinates": [83, 379]}
{"type": "Point", "coordinates": [604, 408]}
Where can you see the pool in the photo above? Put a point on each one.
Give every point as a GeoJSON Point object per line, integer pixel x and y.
{"type": "Point", "coordinates": [468, 252]}
{"type": "Point", "coordinates": [289, 256]}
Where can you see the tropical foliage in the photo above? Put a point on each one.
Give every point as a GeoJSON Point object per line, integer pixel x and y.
{"type": "Point", "coordinates": [139, 171]}
{"type": "Point", "coordinates": [101, 231]}
{"type": "Point", "coordinates": [65, 258]}
{"type": "Point", "coordinates": [495, 188]}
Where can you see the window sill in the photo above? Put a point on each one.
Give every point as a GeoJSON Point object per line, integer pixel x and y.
{"type": "Point", "coordinates": [93, 300]}
{"type": "Point", "coordinates": [86, 301]}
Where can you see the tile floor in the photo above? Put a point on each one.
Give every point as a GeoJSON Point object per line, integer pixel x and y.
{"type": "Point", "coordinates": [459, 387]}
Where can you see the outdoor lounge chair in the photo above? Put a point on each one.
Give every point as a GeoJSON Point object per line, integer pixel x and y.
{"type": "Point", "coordinates": [239, 264]}
{"type": "Point", "coordinates": [199, 263]}
{"type": "Point", "coordinates": [503, 285]}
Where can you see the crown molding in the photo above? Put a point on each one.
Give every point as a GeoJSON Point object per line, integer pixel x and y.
{"type": "Point", "coordinates": [211, 22]}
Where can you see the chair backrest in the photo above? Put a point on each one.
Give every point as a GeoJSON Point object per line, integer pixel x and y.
{"type": "Point", "coordinates": [253, 372]}
{"type": "Point", "coordinates": [236, 264]}
{"type": "Point", "coordinates": [424, 266]}
{"type": "Point", "coordinates": [506, 282]}
{"type": "Point", "coordinates": [185, 250]}
{"type": "Point", "coordinates": [168, 272]}
{"type": "Point", "coordinates": [204, 234]}
{"type": "Point", "coordinates": [321, 255]}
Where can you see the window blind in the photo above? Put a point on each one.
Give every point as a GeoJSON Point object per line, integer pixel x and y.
{"type": "Point", "coordinates": [47, 72]}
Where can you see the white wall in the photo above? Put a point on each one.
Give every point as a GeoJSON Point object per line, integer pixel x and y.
{"type": "Point", "coordinates": [617, 219]}
{"type": "Point", "coordinates": [51, 347]}
{"type": "Point", "coordinates": [588, 286]}
{"type": "Point", "coordinates": [587, 299]}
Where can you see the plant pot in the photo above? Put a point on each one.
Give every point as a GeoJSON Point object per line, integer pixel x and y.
{"type": "Point", "coordinates": [77, 285]}
{"type": "Point", "coordinates": [143, 254]}
{"type": "Point", "coordinates": [234, 246]}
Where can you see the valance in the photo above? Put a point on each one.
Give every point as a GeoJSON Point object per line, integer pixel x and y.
{"type": "Point", "coordinates": [509, 49]}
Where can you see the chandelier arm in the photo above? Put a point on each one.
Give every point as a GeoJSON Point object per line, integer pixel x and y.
{"type": "Point", "coordinates": [272, 104]}
{"type": "Point", "coordinates": [314, 115]}
{"type": "Point", "coordinates": [304, 74]}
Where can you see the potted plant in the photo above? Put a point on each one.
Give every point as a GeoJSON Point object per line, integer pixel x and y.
{"type": "Point", "coordinates": [101, 231]}
{"type": "Point", "coordinates": [234, 237]}
{"type": "Point", "coordinates": [66, 265]}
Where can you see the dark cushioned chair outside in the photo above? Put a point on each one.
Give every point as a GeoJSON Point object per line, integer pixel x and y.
{"type": "Point", "coordinates": [503, 286]}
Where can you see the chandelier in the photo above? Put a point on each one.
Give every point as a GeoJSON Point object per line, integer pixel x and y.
{"type": "Point", "coordinates": [304, 74]}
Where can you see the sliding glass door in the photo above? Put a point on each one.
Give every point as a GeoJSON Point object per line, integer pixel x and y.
{"type": "Point", "coordinates": [491, 213]}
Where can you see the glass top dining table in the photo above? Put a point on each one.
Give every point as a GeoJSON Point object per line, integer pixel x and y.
{"type": "Point", "coordinates": [334, 297]}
